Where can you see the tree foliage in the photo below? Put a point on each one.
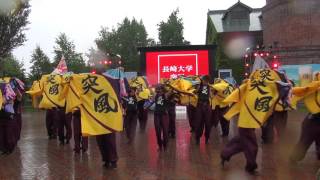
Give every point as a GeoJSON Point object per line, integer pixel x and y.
{"type": "Point", "coordinates": [11, 67]}
{"type": "Point", "coordinates": [40, 64]}
{"type": "Point", "coordinates": [124, 41]}
{"type": "Point", "coordinates": [12, 27]}
{"type": "Point", "coordinates": [171, 31]}
{"type": "Point", "coordinates": [65, 47]}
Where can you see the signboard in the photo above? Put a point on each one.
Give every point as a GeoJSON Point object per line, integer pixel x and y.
{"type": "Point", "coordinates": [171, 64]}
{"type": "Point", "coordinates": [300, 74]}
{"type": "Point", "coordinates": [225, 73]}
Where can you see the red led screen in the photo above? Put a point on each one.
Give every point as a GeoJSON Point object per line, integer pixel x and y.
{"type": "Point", "coordinates": [171, 64]}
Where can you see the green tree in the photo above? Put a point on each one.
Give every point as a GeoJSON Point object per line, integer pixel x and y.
{"type": "Point", "coordinates": [11, 67]}
{"type": "Point", "coordinates": [65, 47]}
{"type": "Point", "coordinates": [171, 31]}
{"type": "Point", "coordinates": [12, 27]}
{"type": "Point", "coordinates": [40, 64]}
{"type": "Point", "coordinates": [124, 41]}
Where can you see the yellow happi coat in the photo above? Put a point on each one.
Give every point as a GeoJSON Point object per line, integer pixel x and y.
{"type": "Point", "coordinates": [310, 95]}
{"type": "Point", "coordinates": [51, 87]}
{"type": "Point", "coordinates": [185, 90]}
{"type": "Point", "coordinates": [141, 84]}
{"type": "Point", "coordinates": [222, 89]}
{"type": "Point", "coordinates": [35, 92]}
{"type": "Point", "coordinates": [70, 93]}
{"type": "Point", "coordinates": [101, 111]}
{"type": "Point", "coordinates": [255, 99]}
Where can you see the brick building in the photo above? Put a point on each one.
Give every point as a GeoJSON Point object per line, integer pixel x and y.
{"type": "Point", "coordinates": [292, 27]}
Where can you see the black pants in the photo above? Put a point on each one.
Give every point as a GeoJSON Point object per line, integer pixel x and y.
{"type": "Point", "coordinates": [280, 122]}
{"type": "Point", "coordinates": [217, 118]}
{"type": "Point", "coordinates": [8, 139]}
{"type": "Point", "coordinates": [51, 123]}
{"type": "Point", "coordinates": [245, 142]}
{"type": "Point", "coordinates": [161, 124]}
{"type": "Point", "coordinates": [80, 142]}
{"type": "Point", "coordinates": [61, 119]}
{"type": "Point", "coordinates": [108, 147]}
{"type": "Point", "coordinates": [131, 124]}
{"type": "Point", "coordinates": [275, 125]}
{"type": "Point", "coordinates": [172, 120]}
{"type": "Point", "coordinates": [191, 112]}
{"type": "Point", "coordinates": [202, 120]}
{"type": "Point", "coordinates": [267, 133]}
{"type": "Point", "coordinates": [18, 118]}
{"type": "Point", "coordinates": [142, 115]}
{"type": "Point", "coordinates": [310, 133]}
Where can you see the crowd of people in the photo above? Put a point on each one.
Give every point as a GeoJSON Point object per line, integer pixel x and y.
{"type": "Point", "coordinates": [261, 101]}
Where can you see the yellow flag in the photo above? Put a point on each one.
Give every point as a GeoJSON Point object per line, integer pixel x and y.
{"type": "Point", "coordinates": [101, 112]}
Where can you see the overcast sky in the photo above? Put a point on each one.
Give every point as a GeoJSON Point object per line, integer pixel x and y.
{"type": "Point", "coordinates": [81, 20]}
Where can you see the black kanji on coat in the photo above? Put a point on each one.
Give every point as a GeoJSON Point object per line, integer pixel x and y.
{"type": "Point", "coordinates": [228, 90]}
{"type": "Point", "coordinates": [89, 83]}
{"type": "Point", "coordinates": [53, 90]}
{"type": "Point", "coordinates": [265, 74]}
{"type": "Point", "coordinates": [101, 104]}
{"type": "Point", "coordinates": [258, 84]}
{"type": "Point", "coordinates": [262, 104]}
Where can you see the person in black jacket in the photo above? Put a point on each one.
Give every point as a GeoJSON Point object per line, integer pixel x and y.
{"type": "Point", "coordinates": [131, 115]}
{"type": "Point", "coordinates": [203, 110]}
{"type": "Point", "coordinates": [161, 121]}
{"type": "Point", "coordinates": [173, 98]}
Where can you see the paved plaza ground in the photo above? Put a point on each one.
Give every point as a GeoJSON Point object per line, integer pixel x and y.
{"type": "Point", "coordinates": [36, 157]}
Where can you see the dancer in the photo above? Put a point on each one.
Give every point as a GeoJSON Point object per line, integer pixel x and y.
{"type": "Point", "coordinates": [254, 101]}
{"type": "Point", "coordinates": [131, 115]}
{"type": "Point", "coordinates": [203, 111]}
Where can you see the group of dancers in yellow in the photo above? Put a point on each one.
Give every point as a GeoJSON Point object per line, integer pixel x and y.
{"type": "Point", "coordinates": [103, 106]}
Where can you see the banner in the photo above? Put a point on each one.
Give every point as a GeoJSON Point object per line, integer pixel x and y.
{"type": "Point", "coordinates": [301, 75]}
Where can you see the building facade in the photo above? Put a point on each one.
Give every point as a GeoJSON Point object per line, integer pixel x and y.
{"type": "Point", "coordinates": [292, 28]}
{"type": "Point", "coordinates": [234, 30]}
